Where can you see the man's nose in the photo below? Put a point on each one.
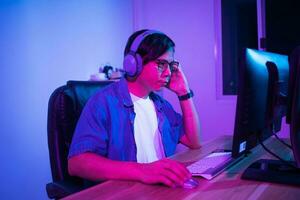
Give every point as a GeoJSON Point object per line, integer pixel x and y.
{"type": "Point", "coordinates": [168, 71]}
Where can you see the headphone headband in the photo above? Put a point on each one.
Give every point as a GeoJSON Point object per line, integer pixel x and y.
{"type": "Point", "coordinates": [139, 39]}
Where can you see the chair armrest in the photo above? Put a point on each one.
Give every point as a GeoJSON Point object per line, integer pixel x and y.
{"type": "Point", "coordinates": [60, 189]}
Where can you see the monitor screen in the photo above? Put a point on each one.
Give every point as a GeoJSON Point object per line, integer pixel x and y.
{"type": "Point", "coordinates": [259, 108]}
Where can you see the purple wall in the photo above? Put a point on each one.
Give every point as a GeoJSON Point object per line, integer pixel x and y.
{"type": "Point", "coordinates": [42, 45]}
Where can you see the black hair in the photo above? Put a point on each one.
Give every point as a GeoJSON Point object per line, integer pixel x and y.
{"type": "Point", "coordinates": [152, 47]}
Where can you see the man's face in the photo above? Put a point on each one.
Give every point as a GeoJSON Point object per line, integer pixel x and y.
{"type": "Point", "coordinates": [153, 76]}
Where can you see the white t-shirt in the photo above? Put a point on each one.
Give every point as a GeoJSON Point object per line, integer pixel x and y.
{"type": "Point", "coordinates": [146, 133]}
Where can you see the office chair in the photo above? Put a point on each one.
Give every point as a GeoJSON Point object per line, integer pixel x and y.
{"type": "Point", "coordinates": [64, 108]}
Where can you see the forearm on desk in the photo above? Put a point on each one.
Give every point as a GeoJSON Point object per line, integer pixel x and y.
{"type": "Point", "coordinates": [96, 168]}
{"type": "Point", "coordinates": [191, 124]}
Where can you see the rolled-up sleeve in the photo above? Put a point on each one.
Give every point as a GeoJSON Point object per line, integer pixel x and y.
{"type": "Point", "coordinates": [90, 134]}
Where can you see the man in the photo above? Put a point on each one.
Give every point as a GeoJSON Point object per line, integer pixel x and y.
{"type": "Point", "coordinates": [126, 131]}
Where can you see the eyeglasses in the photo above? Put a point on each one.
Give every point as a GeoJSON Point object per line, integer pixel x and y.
{"type": "Point", "coordinates": [163, 65]}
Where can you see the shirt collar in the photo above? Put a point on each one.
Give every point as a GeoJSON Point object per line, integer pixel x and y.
{"type": "Point", "coordinates": [127, 101]}
{"type": "Point", "coordinates": [156, 100]}
{"type": "Point", "coordinates": [124, 93]}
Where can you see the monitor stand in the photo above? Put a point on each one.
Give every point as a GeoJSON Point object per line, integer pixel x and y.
{"type": "Point", "coordinates": [274, 171]}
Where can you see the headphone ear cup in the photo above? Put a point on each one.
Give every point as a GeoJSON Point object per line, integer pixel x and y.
{"type": "Point", "coordinates": [139, 64]}
{"type": "Point", "coordinates": [130, 64]}
{"type": "Point", "coordinates": [133, 62]}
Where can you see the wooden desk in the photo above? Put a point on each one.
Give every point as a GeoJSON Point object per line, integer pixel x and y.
{"type": "Point", "coordinates": [227, 185]}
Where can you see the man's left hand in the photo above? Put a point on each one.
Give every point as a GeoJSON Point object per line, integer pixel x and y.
{"type": "Point", "coordinates": [178, 82]}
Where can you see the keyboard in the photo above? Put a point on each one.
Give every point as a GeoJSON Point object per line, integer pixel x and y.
{"type": "Point", "coordinates": [211, 165]}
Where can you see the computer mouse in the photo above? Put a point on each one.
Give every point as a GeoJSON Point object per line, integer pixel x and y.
{"type": "Point", "coordinates": [190, 183]}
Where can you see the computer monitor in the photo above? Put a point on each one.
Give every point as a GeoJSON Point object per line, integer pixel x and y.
{"type": "Point", "coordinates": [293, 105]}
{"type": "Point", "coordinates": [263, 83]}
{"type": "Point", "coordinates": [261, 104]}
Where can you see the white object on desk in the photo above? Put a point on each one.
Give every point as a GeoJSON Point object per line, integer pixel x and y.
{"type": "Point", "coordinates": [98, 77]}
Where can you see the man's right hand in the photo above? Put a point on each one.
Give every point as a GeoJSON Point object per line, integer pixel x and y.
{"type": "Point", "coordinates": [165, 171]}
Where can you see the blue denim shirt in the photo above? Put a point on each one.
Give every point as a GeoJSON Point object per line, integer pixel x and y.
{"type": "Point", "coordinates": [106, 125]}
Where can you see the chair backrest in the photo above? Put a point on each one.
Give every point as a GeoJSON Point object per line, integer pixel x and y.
{"type": "Point", "coordinates": [64, 108]}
